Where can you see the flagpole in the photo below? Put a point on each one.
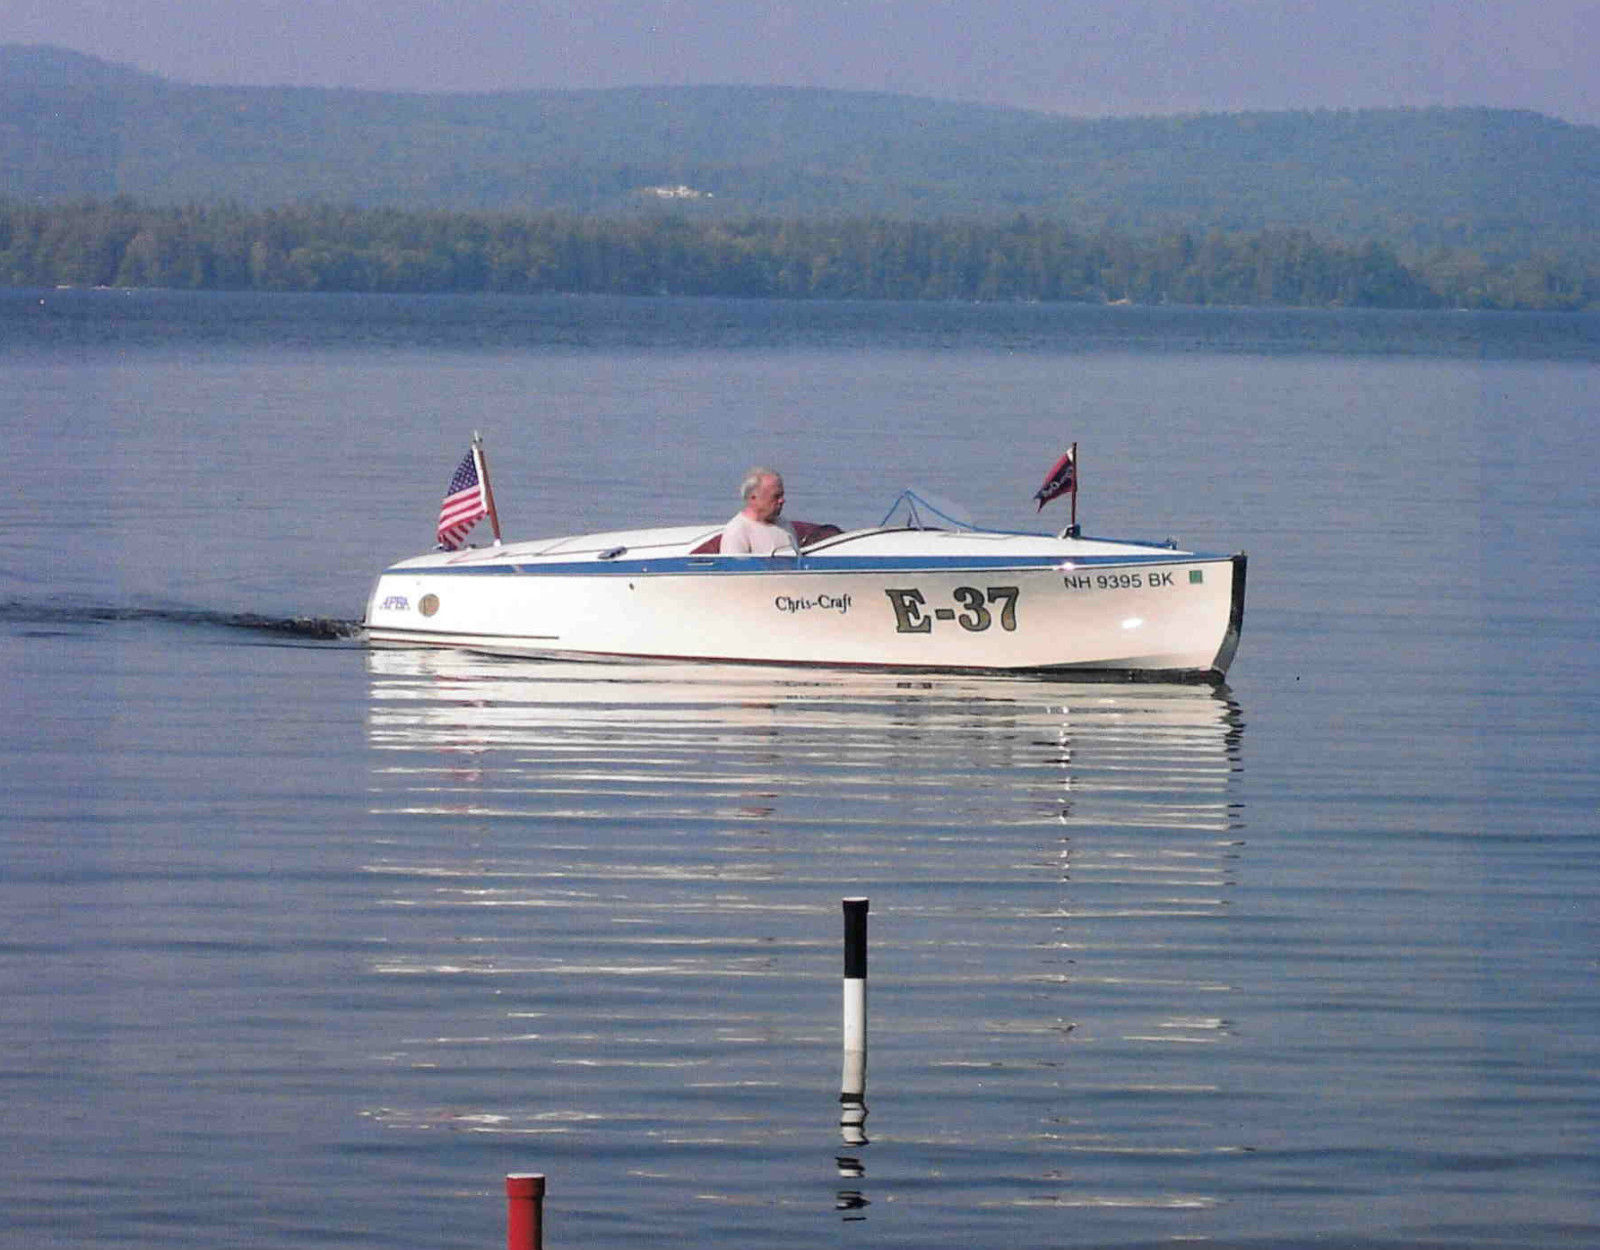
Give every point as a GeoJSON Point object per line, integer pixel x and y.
{"type": "Point", "coordinates": [488, 491]}
{"type": "Point", "coordinates": [1076, 473]}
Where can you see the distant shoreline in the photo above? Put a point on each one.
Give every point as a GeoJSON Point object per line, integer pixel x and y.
{"type": "Point", "coordinates": [123, 244]}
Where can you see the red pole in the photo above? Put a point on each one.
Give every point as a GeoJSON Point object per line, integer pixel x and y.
{"type": "Point", "coordinates": [525, 1211]}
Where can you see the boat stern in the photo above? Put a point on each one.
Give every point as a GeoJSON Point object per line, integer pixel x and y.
{"type": "Point", "coordinates": [1230, 638]}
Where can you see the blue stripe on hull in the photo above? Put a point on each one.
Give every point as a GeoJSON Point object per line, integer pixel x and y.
{"type": "Point", "coordinates": [745, 566]}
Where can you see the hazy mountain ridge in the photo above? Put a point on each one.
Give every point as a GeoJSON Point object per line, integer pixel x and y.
{"type": "Point", "coordinates": [73, 127]}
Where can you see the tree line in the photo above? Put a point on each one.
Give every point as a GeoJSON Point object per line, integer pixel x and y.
{"type": "Point", "coordinates": [326, 248]}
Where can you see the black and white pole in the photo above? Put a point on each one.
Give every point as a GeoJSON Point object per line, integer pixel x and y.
{"type": "Point", "coordinates": [853, 1085]}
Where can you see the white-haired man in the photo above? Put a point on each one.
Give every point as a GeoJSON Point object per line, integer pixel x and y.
{"type": "Point", "coordinates": [758, 529]}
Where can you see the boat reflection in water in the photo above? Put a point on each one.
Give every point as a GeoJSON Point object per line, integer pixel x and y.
{"type": "Point", "coordinates": [617, 886]}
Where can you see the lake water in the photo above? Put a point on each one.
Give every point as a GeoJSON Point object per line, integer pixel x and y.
{"type": "Point", "coordinates": [303, 945]}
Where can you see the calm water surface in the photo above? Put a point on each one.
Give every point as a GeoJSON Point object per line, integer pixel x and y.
{"type": "Point", "coordinates": [302, 944]}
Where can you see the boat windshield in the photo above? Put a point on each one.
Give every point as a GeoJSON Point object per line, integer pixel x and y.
{"type": "Point", "coordinates": [918, 510]}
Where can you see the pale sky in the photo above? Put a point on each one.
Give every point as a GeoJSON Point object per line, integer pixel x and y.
{"type": "Point", "coordinates": [1081, 57]}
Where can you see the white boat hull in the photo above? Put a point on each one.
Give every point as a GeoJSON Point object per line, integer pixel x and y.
{"type": "Point", "coordinates": [921, 600]}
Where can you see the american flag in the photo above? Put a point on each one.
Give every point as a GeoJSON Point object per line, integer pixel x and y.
{"type": "Point", "coordinates": [1062, 478]}
{"type": "Point", "coordinates": [464, 503]}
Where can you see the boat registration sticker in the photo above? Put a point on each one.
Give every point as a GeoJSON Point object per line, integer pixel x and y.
{"type": "Point", "coordinates": [974, 610]}
{"type": "Point", "coordinates": [428, 605]}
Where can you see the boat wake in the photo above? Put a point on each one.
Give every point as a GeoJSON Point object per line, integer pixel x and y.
{"type": "Point", "coordinates": [56, 615]}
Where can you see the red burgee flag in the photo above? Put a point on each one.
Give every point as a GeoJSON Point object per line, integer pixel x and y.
{"type": "Point", "coordinates": [1062, 478]}
{"type": "Point", "coordinates": [466, 502]}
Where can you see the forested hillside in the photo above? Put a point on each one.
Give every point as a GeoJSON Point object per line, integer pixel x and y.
{"type": "Point", "coordinates": [386, 250]}
{"type": "Point", "coordinates": [1481, 207]}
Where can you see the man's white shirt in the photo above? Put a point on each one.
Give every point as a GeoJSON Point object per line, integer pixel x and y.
{"type": "Point", "coordinates": [742, 536]}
